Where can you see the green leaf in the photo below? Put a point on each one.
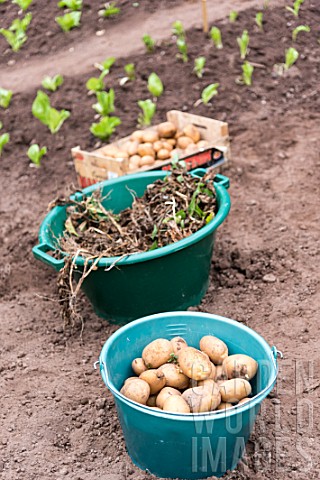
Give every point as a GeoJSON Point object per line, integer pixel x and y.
{"type": "Point", "coordinates": [130, 71]}
{"type": "Point", "coordinates": [105, 104]}
{"type": "Point", "coordinates": [106, 65]}
{"type": "Point", "coordinates": [1, 125]}
{"type": "Point", "coordinates": [5, 97]}
{"type": "Point", "coordinates": [73, 5]}
{"type": "Point", "coordinates": [21, 25]}
{"type": "Point", "coordinates": [35, 153]}
{"type": "Point", "coordinates": [49, 116]}
{"type": "Point", "coordinates": [215, 35]}
{"type": "Point", "coordinates": [69, 21]}
{"type": "Point", "coordinates": [296, 7]}
{"type": "Point", "coordinates": [154, 232]}
{"type": "Point", "coordinates": [148, 110]}
{"type": "Point", "coordinates": [247, 71]}
{"type": "Point", "coordinates": [155, 85]}
{"type": "Point", "coordinates": [178, 29]}
{"type": "Point", "coordinates": [209, 92]}
{"type": "Point", "coordinates": [243, 43]}
{"type": "Point", "coordinates": [183, 49]}
{"type": "Point", "coordinates": [69, 227]}
{"type": "Point", "coordinates": [52, 83]}
{"type": "Point", "coordinates": [259, 20]}
{"type": "Point", "coordinates": [4, 139]}
{"type": "Point", "coordinates": [297, 30]}
{"type": "Point", "coordinates": [23, 4]}
{"type": "Point", "coordinates": [16, 35]}
{"type": "Point", "coordinates": [233, 15]}
{"type": "Point", "coordinates": [105, 128]}
{"type": "Point", "coordinates": [110, 10]}
{"type": "Point", "coordinates": [199, 64]}
{"type": "Point", "coordinates": [149, 43]}
{"type": "Point", "coordinates": [291, 57]}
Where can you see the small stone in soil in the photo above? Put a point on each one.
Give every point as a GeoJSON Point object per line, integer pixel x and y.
{"type": "Point", "coordinates": [269, 278]}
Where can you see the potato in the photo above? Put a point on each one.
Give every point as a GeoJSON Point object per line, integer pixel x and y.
{"type": "Point", "coordinates": [183, 142]}
{"type": "Point", "coordinates": [158, 145]}
{"type": "Point", "coordinates": [134, 162]}
{"type": "Point", "coordinates": [203, 144]}
{"type": "Point", "coordinates": [164, 394]}
{"type": "Point", "coordinates": [209, 384]}
{"type": "Point", "coordinates": [215, 348]}
{"type": "Point", "coordinates": [137, 135]}
{"type": "Point", "coordinates": [241, 366]}
{"type": "Point", "coordinates": [176, 404]}
{"type": "Point", "coordinates": [155, 378]}
{"type": "Point", "coordinates": [178, 134]}
{"type": "Point", "coordinates": [138, 366]}
{"type": "Point", "coordinates": [150, 136]}
{"type": "Point", "coordinates": [121, 154]}
{"type": "Point", "coordinates": [178, 343]}
{"type": "Point", "coordinates": [167, 129]}
{"type": "Point", "coordinates": [173, 376]}
{"type": "Point", "coordinates": [151, 402]}
{"type": "Point", "coordinates": [201, 399]}
{"type": "Point", "coordinates": [109, 150]}
{"type": "Point", "coordinates": [192, 132]}
{"type": "Point", "coordinates": [191, 148]}
{"type": "Point", "coordinates": [213, 371]}
{"type": "Point", "coordinates": [163, 154]}
{"type": "Point", "coordinates": [131, 147]}
{"type": "Point", "coordinates": [194, 364]}
{"type": "Point", "coordinates": [171, 141]}
{"type": "Point", "coordinates": [129, 379]}
{"type": "Point", "coordinates": [176, 152]}
{"type": "Point", "coordinates": [157, 353]}
{"type": "Point", "coordinates": [137, 390]}
{"type": "Point", "coordinates": [146, 160]}
{"type": "Point", "coordinates": [244, 400]}
{"type": "Point", "coordinates": [224, 406]}
{"type": "Point", "coordinates": [234, 390]}
{"type": "Point", "coordinates": [146, 149]}
{"type": "Point", "coordinates": [220, 373]}
{"type": "Point", "coordinates": [167, 146]}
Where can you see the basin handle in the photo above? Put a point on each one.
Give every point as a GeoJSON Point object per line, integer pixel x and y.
{"type": "Point", "coordinates": [220, 179]}
{"type": "Point", "coordinates": [103, 370]}
{"type": "Point", "coordinates": [41, 253]}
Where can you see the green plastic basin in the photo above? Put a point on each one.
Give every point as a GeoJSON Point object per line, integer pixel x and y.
{"type": "Point", "coordinates": [170, 278]}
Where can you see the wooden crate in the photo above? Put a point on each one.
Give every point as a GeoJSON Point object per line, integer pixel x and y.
{"type": "Point", "coordinates": [92, 167]}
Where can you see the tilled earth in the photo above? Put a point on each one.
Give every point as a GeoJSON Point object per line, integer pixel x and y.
{"type": "Point", "coordinates": [58, 420]}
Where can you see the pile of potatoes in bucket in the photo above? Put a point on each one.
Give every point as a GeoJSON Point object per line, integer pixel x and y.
{"type": "Point", "coordinates": [152, 147]}
{"type": "Point", "coordinates": [175, 377]}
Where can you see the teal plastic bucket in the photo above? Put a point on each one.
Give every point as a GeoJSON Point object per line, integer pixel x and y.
{"type": "Point", "coordinates": [122, 289]}
{"type": "Point", "coordinates": [171, 445]}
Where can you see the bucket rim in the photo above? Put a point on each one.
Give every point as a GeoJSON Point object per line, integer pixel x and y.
{"type": "Point", "coordinates": [256, 400]}
{"type": "Point", "coordinates": [223, 210]}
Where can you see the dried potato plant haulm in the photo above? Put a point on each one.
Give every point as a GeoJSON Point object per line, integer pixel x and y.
{"type": "Point", "coordinates": [170, 209]}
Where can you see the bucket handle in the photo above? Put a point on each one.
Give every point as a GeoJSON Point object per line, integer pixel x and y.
{"type": "Point", "coordinates": [103, 370]}
{"type": "Point", "coordinates": [220, 179]}
{"type": "Point", "coordinates": [41, 253]}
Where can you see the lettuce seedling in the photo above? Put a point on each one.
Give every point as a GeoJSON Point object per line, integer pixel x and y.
{"type": "Point", "coordinates": [295, 8]}
{"type": "Point", "coordinates": [130, 71]}
{"type": "Point", "coordinates": [23, 4]}
{"type": "Point", "coordinates": [73, 5]}
{"type": "Point", "coordinates": [49, 116]}
{"type": "Point", "coordinates": [209, 92]}
{"type": "Point", "coordinates": [106, 65]}
{"type": "Point", "coordinates": [183, 49]}
{"type": "Point", "coordinates": [155, 85]}
{"type": "Point", "coordinates": [291, 57]}
{"type": "Point", "coordinates": [233, 15]}
{"type": "Point", "coordinates": [199, 64]}
{"type": "Point", "coordinates": [105, 103]}
{"type": "Point", "coordinates": [247, 71]}
{"type": "Point", "coordinates": [1, 125]}
{"type": "Point", "coordinates": [96, 84]}
{"type": "Point", "coordinates": [105, 128]}
{"type": "Point", "coordinates": [148, 110]}
{"type": "Point", "coordinates": [35, 153]}
{"type": "Point", "coordinates": [259, 20]}
{"type": "Point", "coordinates": [69, 21]}
{"type": "Point", "coordinates": [149, 43]}
{"type": "Point", "coordinates": [16, 34]}
{"type": "Point", "coordinates": [178, 29]}
{"type": "Point", "coordinates": [243, 43]}
{"type": "Point", "coordinates": [5, 97]}
{"type": "Point", "coordinates": [4, 139]}
{"type": "Point", "coordinates": [52, 83]}
{"type": "Point", "coordinates": [297, 30]}
{"type": "Point", "coordinates": [110, 9]}
{"type": "Point", "coordinates": [215, 35]}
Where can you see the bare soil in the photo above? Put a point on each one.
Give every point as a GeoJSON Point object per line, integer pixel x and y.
{"type": "Point", "coordinates": [58, 420]}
